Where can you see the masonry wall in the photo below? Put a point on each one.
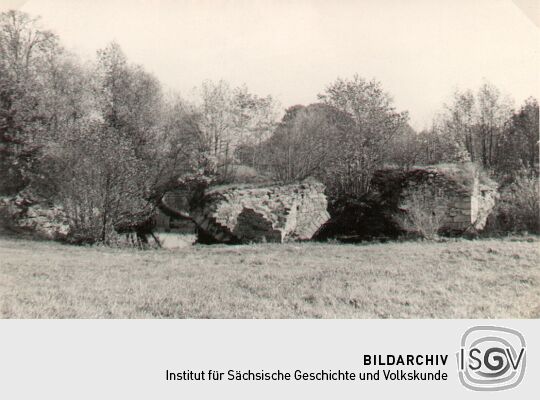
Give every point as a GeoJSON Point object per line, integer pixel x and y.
{"type": "Point", "coordinates": [255, 214]}
{"type": "Point", "coordinates": [470, 200]}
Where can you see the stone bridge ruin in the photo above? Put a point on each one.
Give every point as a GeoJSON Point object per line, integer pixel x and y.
{"type": "Point", "coordinates": [251, 213]}
{"type": "Point", "coordinates": [275, 213]}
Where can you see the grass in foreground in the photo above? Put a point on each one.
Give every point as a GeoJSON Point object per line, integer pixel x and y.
{"type": "Point", "coordinates": [456, 279]}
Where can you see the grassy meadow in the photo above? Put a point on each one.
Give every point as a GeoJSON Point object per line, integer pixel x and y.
{"type": "Point", "coordinates": [492, 278]}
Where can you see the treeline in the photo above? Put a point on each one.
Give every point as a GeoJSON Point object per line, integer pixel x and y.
{"type": "Point", "coordinates": [106, 141]}
{"type": "Point", "coordinates": [354, 131]}
{"type": "Point", "coordinates": [355, 126]}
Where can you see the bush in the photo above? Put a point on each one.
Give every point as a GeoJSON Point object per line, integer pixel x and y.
{"type": "Point", "coordinates": [423, 211]}
{"type": "Point", "coordinates": [101, 184]}
{"type": "Point", "coordinates": [519, 205]}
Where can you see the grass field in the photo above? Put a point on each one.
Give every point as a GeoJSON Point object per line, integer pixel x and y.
{"type": "Point", "coordinates": [455, 279]}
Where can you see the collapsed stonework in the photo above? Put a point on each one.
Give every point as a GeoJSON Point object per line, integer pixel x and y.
{"type": "Point", "coordinates": [24, 213]}
{"type": "Point", "coordinates": [279, 213]}
{"type": "Point", "coordinates": [258, 214]}
{"type": "Point", "coordinates": [470, 199]}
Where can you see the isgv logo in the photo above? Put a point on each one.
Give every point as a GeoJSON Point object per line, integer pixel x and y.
{"type": "Point", "coordinates": [491, 358]}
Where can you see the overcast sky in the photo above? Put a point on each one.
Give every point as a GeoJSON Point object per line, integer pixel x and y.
{"type": "Point", "coordinates": [421, 50]}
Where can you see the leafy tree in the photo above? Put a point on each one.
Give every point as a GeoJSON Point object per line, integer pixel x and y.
{"type": "Point", "coordinates": [306, 143]}
{"type": "Point", "coordinates": [130, 99]}
{"type": "Point", "coordinates": [365, 146]}
{"type": "Point", "coordinates": [25, 52]}
{"type": "Point", "coordinates": [518, 148]}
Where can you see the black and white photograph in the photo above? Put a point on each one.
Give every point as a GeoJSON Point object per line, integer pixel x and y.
{"type": "Point", "coordinates": [272, 160]}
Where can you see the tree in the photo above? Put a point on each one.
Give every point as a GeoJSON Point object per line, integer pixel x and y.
{"type": "Point", "coordinates": [232, 118]}
{"type": "Point", "coordinates": [478, 123]}
{"type": "Point", "coordinates": [459, 122]}
{"type": "Point", "coordinates": [119, 157]}
{"type": "Point", "coordinates": [256, 119]}
{"type": "Point", "coordinates": [519, 146]}
{"type": "Point", "coordinates": [103, 184]}
{"type": "Point", "coordinates": [184, 155]}
{"type": "Point", "coordinates": [405, 149]}
{"type": "Point", "coordinates": [130, 98]}
{"type": "Point", "coordinates": [25, 52]}
{"type": "Point", "coordinates": [365, 146]}
{"type": "Point", "coordinates": [305, 143]}
{"type": "Point", "coordinates": [493, 112]}
{"type": "Point", "coordinates": [437, 145]}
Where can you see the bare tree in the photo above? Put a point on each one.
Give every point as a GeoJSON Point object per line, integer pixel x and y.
{"type": "Point", "coordinates": [231, 118]}
{"type": "Point", "coordinates": [478, 122]}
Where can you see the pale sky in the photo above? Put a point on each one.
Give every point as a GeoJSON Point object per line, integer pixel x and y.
{"type": "Point", "coordinates": [421, 50]}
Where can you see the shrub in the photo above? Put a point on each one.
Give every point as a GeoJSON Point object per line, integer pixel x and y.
{"type": "Point", "coordinates": [101, 184]}
{"type": "Point", "coordinates": [519, 205]}
{"type": "Point", "coordinates": [424, 210]}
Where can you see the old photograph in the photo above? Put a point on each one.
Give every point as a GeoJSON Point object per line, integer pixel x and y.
{"type": "Point", "coordinates": [288, 159]}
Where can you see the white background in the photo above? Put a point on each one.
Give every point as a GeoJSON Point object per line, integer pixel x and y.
{"type": "Point", "coordinates": [127, 359]}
